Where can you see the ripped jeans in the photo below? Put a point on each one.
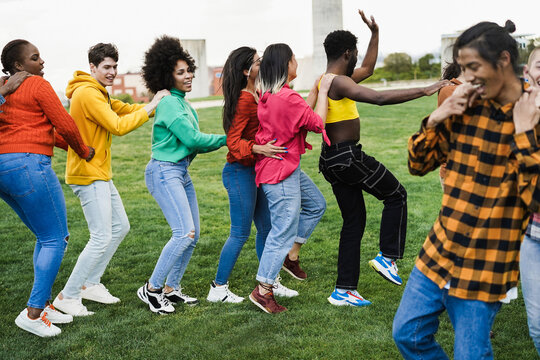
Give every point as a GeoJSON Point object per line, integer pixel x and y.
{"type": "Point", "coordinates": [171, 186]}
{"type": "Point", "coordinates": [30, 187]}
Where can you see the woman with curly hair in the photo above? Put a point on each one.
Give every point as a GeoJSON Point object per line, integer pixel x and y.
{"type": "Point", "coordinates": [176, 140]}
{"type": "Point", "coordinates": [247, 203]}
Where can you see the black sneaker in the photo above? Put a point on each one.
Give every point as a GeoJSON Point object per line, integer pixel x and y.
{"type": "Point", "coordinates": [155, 300]}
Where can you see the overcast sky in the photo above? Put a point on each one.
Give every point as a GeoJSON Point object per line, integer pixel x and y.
{"type": "Point", "coordinates": [63, 30]}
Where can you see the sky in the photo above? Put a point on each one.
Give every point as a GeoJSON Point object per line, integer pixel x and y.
{"type": "Point", "coordinates": [63, 30]}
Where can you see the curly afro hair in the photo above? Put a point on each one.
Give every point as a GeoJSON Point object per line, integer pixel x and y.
{"type": "Point", "coordinates": [160, 61]}
{"type": "Point", "coordinates": [337, 42]}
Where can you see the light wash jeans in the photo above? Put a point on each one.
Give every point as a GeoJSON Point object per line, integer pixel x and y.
{"type": "Point", "coordinates": [247, 204]}
{"type": "Point", "coordinates": [296, 205]}
{"type": "Point", "coordinates": [108, 226]}
{"type": "Point", "coordinates": [171, 186]}
{"type": "Point", "coordinates": [529, 266]}
{"type": "Point", "coordinates": [417, 320]}
{"type": "Point", "coordinates": [30, 187]}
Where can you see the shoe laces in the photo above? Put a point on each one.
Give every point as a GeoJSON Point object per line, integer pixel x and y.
{"type": "Point", "coordinates": [51, 306]}
{"type": "Point", "coordinates": [44, 319]}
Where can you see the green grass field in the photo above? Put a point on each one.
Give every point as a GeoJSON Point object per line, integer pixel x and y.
{"type": "Point", "coordinates": [311, 329]}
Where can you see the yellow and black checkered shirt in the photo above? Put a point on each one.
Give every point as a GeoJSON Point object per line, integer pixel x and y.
{"type": "Point", "coordinates": [491, 188]}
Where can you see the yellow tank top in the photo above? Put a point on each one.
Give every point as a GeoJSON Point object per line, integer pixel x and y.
{"type": "Point", "coordinates": [341, 110]}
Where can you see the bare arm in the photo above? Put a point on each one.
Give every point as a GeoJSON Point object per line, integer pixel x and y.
{"type": "Point", "coordinates": [370, 58]}
{"type": "Point", "coordinates": [346, 87]}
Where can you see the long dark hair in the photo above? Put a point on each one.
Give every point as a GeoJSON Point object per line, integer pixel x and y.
{"type": "Point", "coordinates": [11, 53]}
{"type": "Point", "coordinates": [490, 40]}
{"type": "Point", "coordinates": [234, 80]}
{"type": "Point", "coordinates": [274, 68]}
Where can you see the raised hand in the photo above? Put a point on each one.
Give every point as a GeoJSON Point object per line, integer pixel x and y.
{"type": "Point", "coordinates": [526, 111]}
{"type": "Point", "coordinates": [371, 24]}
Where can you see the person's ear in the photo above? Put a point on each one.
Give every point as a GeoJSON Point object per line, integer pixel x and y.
{"type": "Point", "coordinates": [92, 68]}
{"type": "Point", "coordinates": [19, 66]}
{"type": "Point", "coordinates": [504, 59]}
{"type": "Point", "coordinates": [246, 72]}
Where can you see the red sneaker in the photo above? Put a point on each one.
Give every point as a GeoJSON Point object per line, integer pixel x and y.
{"type": "Point", "coordinates": [266, 302]}
{"type": "Point", "coordinates": [293, 268]}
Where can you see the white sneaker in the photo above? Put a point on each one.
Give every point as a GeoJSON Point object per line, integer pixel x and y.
{"type": "Point", "coordinates": [281, 290]}
{"type": "Point", "coordinates": [72, 307]}
{"type": "Point", "coordinates": [176, 297]}
{"type": "Point", "coordinates": [222, 294]}
{"type": "Point", "coordinates": [55, 316]}
{"type": "Point", "coordinates": [155, 300]}
{"type": "Point", "coordinates": [99, 293]}
{"type": "Point", "coordinates": [40, 326]}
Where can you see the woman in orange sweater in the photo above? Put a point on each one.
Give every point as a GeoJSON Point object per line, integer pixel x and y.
{"type": "Point", "coordinates": [29, 118]}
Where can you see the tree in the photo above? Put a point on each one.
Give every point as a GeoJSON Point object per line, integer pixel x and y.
{"type": "Point", "coordinates": [424, 63]}
{"type": "Point", "coordinates": [124, 97]}
{"type": "Point", "coordinates": [398, 63]}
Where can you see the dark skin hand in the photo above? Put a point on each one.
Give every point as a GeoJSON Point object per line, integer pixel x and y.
{"type": "Point", "coordinates": [11, 83]}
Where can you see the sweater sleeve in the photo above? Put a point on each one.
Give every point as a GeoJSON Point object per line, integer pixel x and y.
{"type": "Point", "coordinates": [59, 141]}
{"type": "Point", "coordinates": [180, 122]}
{"type": "Point", "coordinates": [61, 120]}
{"type": "Point", "coordinates": [239, 147]}
{"type": "Point", "coordinates": [104, 114]}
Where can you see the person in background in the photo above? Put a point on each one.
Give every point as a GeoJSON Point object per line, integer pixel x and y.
{"type": "Point", "coordinates": [486, 134]}
{"type": "Point", "coordinates": [98, 117]}
{"type": "Point", "coordinates": [176, 140]}
{"type": "Point", "coordinates": [529, 262]}
{"type": "Point", "coordinates": [247, 203]}
{"type": "Point", "coordinates": [30, 115]}
{"type": "Point", "coordinates": [296, 204]}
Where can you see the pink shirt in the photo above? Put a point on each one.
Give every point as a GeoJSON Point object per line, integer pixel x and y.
{"type": "Point", "coordinates": [287, 117]}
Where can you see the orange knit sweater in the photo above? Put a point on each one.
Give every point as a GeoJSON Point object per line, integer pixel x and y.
{"type": "Point", "coordinates": [29, 118]}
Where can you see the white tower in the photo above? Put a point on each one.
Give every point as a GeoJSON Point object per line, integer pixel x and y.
{"type": "Point", "coordinates": [327, 17]}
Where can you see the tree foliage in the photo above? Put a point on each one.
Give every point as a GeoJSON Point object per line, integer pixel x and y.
{"type": "Point", "coordinates": [398, 63]}
{"type": "Point", "coordinates": [124, 97]}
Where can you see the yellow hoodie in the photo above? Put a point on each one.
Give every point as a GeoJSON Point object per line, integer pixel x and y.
{"type": "Point", "coordinates": [97, 116]}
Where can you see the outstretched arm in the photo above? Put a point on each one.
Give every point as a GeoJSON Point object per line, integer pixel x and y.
{"type": "Point", "coordinates": [370, 58]}
{"type": "Point", "coordinates": [343, 86]}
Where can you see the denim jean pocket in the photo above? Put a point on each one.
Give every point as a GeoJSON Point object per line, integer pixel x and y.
{"type": "Point", "coordinates": [16, 182]}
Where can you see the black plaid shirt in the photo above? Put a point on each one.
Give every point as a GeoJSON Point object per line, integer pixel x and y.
{"type": "Point", "coordinates": [491, 187]}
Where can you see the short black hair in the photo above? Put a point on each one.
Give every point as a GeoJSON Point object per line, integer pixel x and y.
{"type": "Point", "coordinates": [11, 53]}
{"type": "Point", "coordinates": [98, 53]}
{"type": "Point", "coordinates": [490, 40]}
{"type": "Point", "coordinates": [160, 61]}
{"type": "Point", "coordinates": [337, 42]}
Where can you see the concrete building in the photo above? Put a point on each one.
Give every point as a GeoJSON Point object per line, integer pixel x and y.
{"type": "Point", "coordinates": [132, 84]}
{"type": "Point", "coordinates": [327, 16]}
{"type": "Point", "coordinates": [201, 83]}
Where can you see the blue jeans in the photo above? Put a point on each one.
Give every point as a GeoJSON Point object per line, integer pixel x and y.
{"type": "Point", "coordinates": [171, 186]}
{"type": "Point", "coordinates": [247, 204]}
{"type": "Point", "coordinates": [30, 187]}
{"type": "Point", "coordinates": [529, 265]}
{"type": "Point", "coordinates": [417, 320]}
{"type": "Point", "coordinates": [296, 205]}
{"type": "Point", "coordinates": [108, 225]}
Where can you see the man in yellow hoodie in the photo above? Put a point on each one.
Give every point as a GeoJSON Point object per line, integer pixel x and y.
{"type": "Point", "coordinates": [97, 117]}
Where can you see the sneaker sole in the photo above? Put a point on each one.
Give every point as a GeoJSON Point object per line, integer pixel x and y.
{"type": "Point", "coordinates": [101, 301]}
{"type": "Point", "coordinates": [225, 300]}
{"type": "Point", "coordinates": [259, 305]}
{"type": "Point", "coordinates": [374, 267]}
{"type": "Point", "coordinates": [335, 302]}
{"type": "Point", "coordinates": [22, 326]}
{"type": "Point", "coordinates": [62, 309]}
{"type": "Point", "coordinates": [292, 274]}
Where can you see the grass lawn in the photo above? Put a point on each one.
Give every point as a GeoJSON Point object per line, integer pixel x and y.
{"type": "Point", "coordinates": [311, 329]}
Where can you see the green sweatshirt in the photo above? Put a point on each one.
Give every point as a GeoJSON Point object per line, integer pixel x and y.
{"type": "Point", "coordinates": [176, 131]}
